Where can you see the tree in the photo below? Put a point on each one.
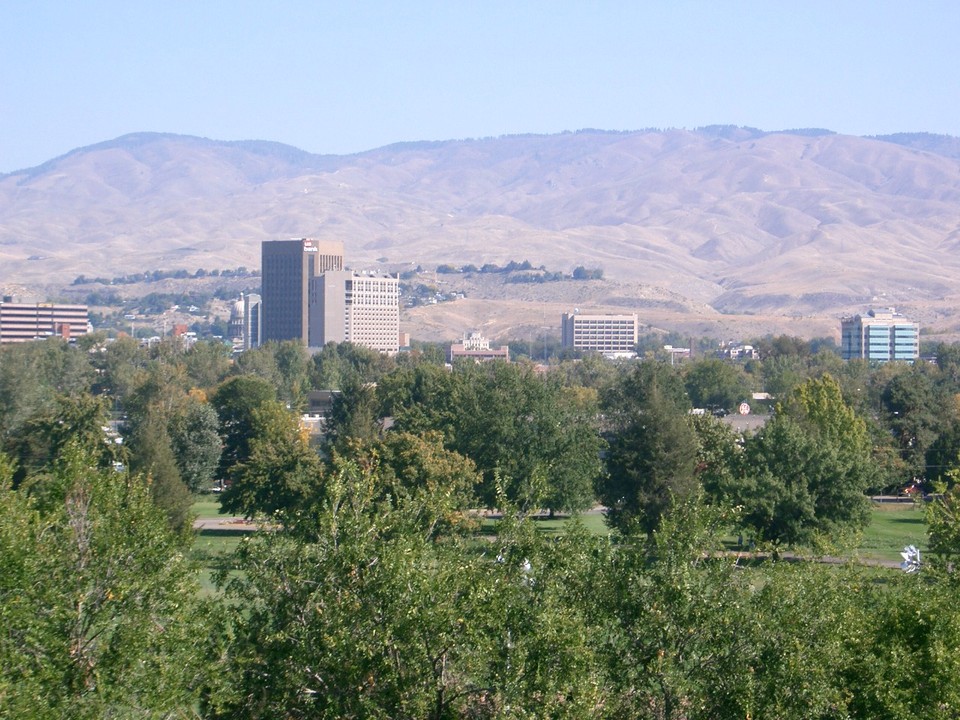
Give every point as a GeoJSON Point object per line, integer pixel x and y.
{"type": "Point", "coordinates": [120, 363]}
{"type": "Point", "coordinates": [100, 608]}
{"type": "Point", "coordinates": [678, 621]}
{"type": "Point", "coordinates": [280, 471]}
{"type": "Point", "coordinates": [652, 449]}
{"type": "Point", "coordinates": [527, 434]}
{"type": "Point", "coordinates": [418, 466]}
{"type": "Point", "coordinates": [720, 459]}
{"type": "Point", "coordinates": [33, 375]}
{"type": "Point", "coordinates": [340, 364]}
{"type": "Point", "coordinates": [913, 406]}
{"type": "Point", "coordinates": [207, 363]}
{"type": "Point", "coordinates": [715, 383]}
{"type": "Point", "coordinates": [194, 434]}
{"type": "Point", "coordinates": [808, 468]}
{"type": "Point", "coordinates": [151, 455]}
{"type": "Point", "coordinates": [354, 416]}
{"type": "Point", "coordinates": [42, 437]}
{"type": "Point", "coordinates": [362, 611]}
{"type": "Point", "coordinates": [235, 401]}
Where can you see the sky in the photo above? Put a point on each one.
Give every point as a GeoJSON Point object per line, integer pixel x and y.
{"type": "Point", "coordinates": [342, 77]}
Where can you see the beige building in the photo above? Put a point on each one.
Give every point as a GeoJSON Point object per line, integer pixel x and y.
{"type": "Point", "coordinates": [476, 347]}
{"type": "Point", "coordinates": [20, 322]}
{"type": "Point", "coordinates": [354, 307]}
{"type": "Point", "coordinates": [613, 335]}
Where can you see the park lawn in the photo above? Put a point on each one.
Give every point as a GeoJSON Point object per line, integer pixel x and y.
{"type": "Point", "coordinates": [206, 505]}
{"type": "Point", "coordinates": [892, 527]}
{"type": "Point", "coordinates": [212, 547]}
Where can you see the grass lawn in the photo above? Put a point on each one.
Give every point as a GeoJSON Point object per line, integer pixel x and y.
{"type": "Point", "coordinates": [212, 547]}
{"type": "Point", "coordinates": [206, 505]}
{"type": "Point", "coordinates": [892, 527]}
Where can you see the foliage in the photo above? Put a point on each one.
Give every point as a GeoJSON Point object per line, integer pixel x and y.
{"type": "Point", "coordinates": [152, 456]}
{"type": "Point", "coordinates": [418, 466]}
{"type": "Point", "coordinates": [354, 416]}
{"type": "Point", "coordinates": [235, 401]}
{"type": "Point", "coordinates": [195, 438]}
{"type": "Point", "coordinates": [280, 472]}
{"type": "Point", "coordinates": [369, 616]}
{"type": "Point", "coordinates": [913, 403]}
{"type": "Point", "coordinates": [807, 470]}
{"type": "Point", "coordinates": [943, 523]}
{"type": "Point", "coordinates": [340, 364]}
{"type": "Point", "coordinates": [678, 620]}
{"type": "Point", "coordinates": [207, 363]}
{"type": "Point", "coordinates": [99, 607]}
{"type": "Point", "coordinates": [524, 429]}
{"type": "Point", "coordinates": [713, 383]}
{"type": "Point", "coordinates": [652, 454]}
{"type": "Point", "coordinates": [69, 419]}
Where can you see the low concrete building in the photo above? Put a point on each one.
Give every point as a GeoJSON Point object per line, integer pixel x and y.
{"type": "Point", "coordinates": [21, 322]}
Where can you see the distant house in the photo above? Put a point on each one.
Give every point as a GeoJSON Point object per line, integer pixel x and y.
{"type": "Point", "coordinates": [476, 347]}
{"type": "Point", "coordinates": [738, 351]}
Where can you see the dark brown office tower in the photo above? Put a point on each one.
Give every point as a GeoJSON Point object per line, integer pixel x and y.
{"type": "Point", "coordinates": [286, 271]}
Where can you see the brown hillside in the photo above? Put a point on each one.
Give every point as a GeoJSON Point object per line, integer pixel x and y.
{"type": "Point", "coordinates": [726, 224]}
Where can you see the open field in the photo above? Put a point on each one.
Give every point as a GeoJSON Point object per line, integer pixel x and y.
{"type": "Point", "coordinates": [891, 528]}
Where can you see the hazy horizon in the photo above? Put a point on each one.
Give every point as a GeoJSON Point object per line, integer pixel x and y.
{"type": "Point", "coordinates": [332, 79]}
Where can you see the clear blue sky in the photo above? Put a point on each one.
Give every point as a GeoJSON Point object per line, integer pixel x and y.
{"type": "Point", "coordinates": [348, 76]}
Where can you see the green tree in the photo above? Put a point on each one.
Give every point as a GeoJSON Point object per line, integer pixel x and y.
{"type": "Point", "coordinates": [280, 472]}
{"type": "Point", "coordinates": [235, 401]}
{"type": "Point", "coordinates": [369, 614]}
{"type": "Point", "coordinates": [421, 399]}
{"type": "Point", "coordinates": [678, 621]}
{"type": "Point", "coordinates": [194, 435]}
{"type": "Point", "coordinates": [340, 364]}
{"type": "Point", "coordinates": [652, 449]}
{"type": "Point", "coordinates": [293, 366]}
{"type": "Point", "coordinates": [120, 364]}
{"type": "Point", "coordinates": [42, 437]}
{"type": "Point", "coordinates": [715, 383]}
{"type": "Point", "coordinates": [207, 363]}
{"type": "Point", "coordinates": [100, 609]}
{"type": "Point", "coordinates": [808, 469]}
{"type": "Point", "coordinates": [33, 375]}
{"type": "Point", "coordinates": [913, 404]}
{"type": "Point", "coordinates": [152, 456]}
{"type": "Point", "coordinates": [720, 459]}
{"type": "Point", "coordinates": [419, 466]}
{"type": "Point", "coordinates": [354, 416]}
{"type": "Point", "coordinates": [527, 432]}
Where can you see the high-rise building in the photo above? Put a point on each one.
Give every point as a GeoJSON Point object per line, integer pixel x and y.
{"type": "Point", "coordinates": [606, 334]}
{"type": "Point", "coordinates": [287, 268]}
{"type": "Point", "coordinates": [881, 335]}
{"type": "Point", "coordinates": [310, 297]}
{"type": "Point", "coordinates": [20, 322]}
{"type": "Point", "coordinates": [355, 307]}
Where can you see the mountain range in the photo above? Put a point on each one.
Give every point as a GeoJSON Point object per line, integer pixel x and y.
{"type": "Point", "coordinates": [719, 224]}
